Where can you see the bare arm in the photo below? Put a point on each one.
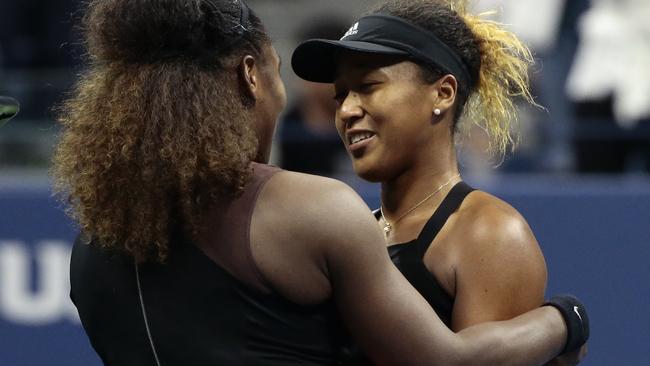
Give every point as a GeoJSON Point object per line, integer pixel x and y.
{"type": "Point", "coordinates": [342, 252]}
{"type": "Point", "coordinates": [395, 325]}
{"type": "Point", "coordinates": [500, 270]}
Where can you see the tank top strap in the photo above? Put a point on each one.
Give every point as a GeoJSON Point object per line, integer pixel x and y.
{"type": "Point", "coordinates": [261, 174]}
{"type": "Point", "coordinates": [226, 239]}
{"type": "Point", "coordinates": [447, 207]}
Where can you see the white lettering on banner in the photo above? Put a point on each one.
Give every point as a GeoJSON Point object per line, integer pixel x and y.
{"type": "Point", "coordinates": [50, 302]}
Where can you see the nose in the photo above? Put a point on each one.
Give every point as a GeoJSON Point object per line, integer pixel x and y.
{"type": "Point", "coordinates": [350, 109]}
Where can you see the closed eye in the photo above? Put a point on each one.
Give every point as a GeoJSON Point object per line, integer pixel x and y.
{"type": "Point", "coordinates": [366, 87]}
{"type": "Point", "coordinates": [362, 88]}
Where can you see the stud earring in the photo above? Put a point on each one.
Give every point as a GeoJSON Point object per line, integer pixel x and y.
{"type": "Point", "coordinates": [437, 111]}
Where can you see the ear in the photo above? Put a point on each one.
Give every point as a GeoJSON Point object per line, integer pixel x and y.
{"type": "Point", "coordinates": [249, 76]}
{"type": "Point", "coordinates": [445, 93]}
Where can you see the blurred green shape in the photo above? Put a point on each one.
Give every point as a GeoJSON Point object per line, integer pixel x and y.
{"type": "Point", "coordinates": [9, 107]}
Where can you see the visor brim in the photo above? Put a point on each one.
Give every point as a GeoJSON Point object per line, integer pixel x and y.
{"type": "Point", "coordinates": [316, 60]}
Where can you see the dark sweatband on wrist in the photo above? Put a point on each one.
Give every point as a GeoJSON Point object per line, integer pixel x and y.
{"type": "Point", "coordinates": [576, 319]}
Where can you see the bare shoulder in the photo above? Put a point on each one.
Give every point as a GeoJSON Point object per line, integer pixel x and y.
{"type": "Point", "coordinates": [305, 193]}
{"type": "Point", "coordinates": [318, 207]}
{"type": "Point", "coordinates": [302, 227]}
{"type": "Point", "coordinates": [488, 220]}
{"type": "Point", "coordinates": [500, 270]}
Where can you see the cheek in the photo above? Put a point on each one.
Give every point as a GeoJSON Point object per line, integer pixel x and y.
{"type": "Point", "coordinates": [412, 101]}
{"type": "Point", "coordinates": [405, 113]}
{"type": "Point", "coordinates": [339, 125]}
{"type": "Point", "coordinates": [282, 94]}
{"type": "Point", "coordinates": [402, 121]}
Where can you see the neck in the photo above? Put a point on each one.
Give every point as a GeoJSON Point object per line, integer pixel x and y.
{"type": "Point", "coordinates": [419, 180]}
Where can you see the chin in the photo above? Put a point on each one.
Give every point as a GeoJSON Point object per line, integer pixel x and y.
{"type": "Point", "coordinates": [368, 173]}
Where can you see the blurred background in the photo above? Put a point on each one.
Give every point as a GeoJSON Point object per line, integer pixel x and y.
{"type": "Point", "coordinates": [581, 175]}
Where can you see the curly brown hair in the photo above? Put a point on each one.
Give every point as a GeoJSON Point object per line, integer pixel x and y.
{"type": "Point", "coordinates": [158, 127]}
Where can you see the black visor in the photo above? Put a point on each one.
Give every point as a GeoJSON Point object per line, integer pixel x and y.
{"type": "Point", "coordinates": [317, 59]}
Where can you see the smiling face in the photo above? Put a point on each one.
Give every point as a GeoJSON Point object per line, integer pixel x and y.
{"type": "Point", "coordinates": [384, 114]}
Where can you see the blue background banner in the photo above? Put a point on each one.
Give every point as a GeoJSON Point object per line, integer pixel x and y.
{"type": "Point", "coordinates": [595, 234]}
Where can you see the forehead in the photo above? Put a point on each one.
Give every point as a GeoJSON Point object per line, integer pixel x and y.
{"type": "Point", "coordinates": [356, 64]}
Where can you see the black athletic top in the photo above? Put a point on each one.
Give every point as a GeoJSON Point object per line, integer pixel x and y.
{"type": "Point", "coordinates": [208, 305]}
{"type": "Point", "coordinates": [408, 257]}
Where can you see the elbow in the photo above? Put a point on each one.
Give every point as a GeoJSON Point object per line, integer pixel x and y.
{"type": "Point", "coordinates": [461, 352]}
{"type": "Point", "coordinates": [471, 351]}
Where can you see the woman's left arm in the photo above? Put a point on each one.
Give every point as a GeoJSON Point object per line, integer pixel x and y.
{"type": "Point", "coordinates": [500, 271]}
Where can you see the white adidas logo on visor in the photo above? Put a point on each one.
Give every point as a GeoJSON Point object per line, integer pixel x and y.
{"type": "Point", "coordinates": [352, 31]}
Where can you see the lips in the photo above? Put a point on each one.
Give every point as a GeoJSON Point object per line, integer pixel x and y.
{"type": "Point", "coordinates": [359, 140]}
{"type": "Point", "coordinates": [358, 137]}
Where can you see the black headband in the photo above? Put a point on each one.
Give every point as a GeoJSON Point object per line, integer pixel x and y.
{"type": "Point", "coordinates": [317, 60]}
{"type": "Point", "coordinates": [244, 14]}
{"type": "Point", "coordinates": [243, 17]}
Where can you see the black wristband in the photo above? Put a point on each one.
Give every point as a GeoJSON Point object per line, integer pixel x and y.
{"type": "Point", "coordinates": [576, 319]}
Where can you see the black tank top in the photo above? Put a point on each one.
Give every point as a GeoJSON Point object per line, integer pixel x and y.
{"type": "Point", "coordinates": [408, 257]}
{"type": "Point", "coordinates": [203, 307]}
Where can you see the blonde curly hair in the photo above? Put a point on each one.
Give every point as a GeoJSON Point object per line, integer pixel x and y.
{"type": "Point", "coordinates": [494, 56]}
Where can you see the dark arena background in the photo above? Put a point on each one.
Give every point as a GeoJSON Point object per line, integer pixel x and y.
{"type": "Point", "coordinates": [581, 175]}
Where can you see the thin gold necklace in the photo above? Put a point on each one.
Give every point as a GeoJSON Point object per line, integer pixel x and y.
{"type": "Point", "coordinates": [388, 226]}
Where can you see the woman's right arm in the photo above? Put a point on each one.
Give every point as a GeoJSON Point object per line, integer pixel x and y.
{"type": "Point", "coordinates": [395, 325]}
